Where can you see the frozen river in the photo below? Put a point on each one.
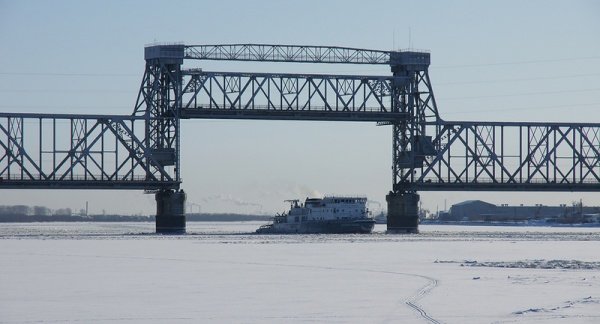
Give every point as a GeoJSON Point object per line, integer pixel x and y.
{"type": "Point", "coordinates": [221, 273]}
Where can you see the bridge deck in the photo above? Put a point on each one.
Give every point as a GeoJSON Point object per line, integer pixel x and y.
{"type": "Point", "coordinates": [306, 115]}
{"type": "Point", "coordinates": [87, 184]}
{"type": "Point", "coordinates": [495, 186]}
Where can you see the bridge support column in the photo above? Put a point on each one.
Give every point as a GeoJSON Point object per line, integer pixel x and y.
{"type": "Point", "coordinates": [170, 212]}
{"type": "Point", "coordinates": [403, 213]}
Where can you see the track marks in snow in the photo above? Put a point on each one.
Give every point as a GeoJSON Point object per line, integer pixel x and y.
{"type": "Point", "coordinates": [412, 300]}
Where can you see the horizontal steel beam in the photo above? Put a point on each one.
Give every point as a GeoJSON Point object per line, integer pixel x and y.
{"type": "Point", "coordinates": [69, 116]}
{"type": "Point", "coordinates": [470, 123]}
{"type": "Point", "coordinates": [490, 186]}
{"type": "Point", "coordinates": [276, 75]}
{"type": "Point", "coordinates": [304, 115]}
{"type": "Point", "coordinates": [88, 184]}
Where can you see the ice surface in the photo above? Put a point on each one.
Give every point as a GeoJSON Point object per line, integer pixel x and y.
{"type": "Point", "coordinates": [221, 273]}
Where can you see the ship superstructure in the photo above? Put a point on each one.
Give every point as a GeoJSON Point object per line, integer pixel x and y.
{"type": "Point", "coordinates": [331, 214]}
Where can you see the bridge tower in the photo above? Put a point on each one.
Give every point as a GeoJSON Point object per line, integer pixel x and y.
{"type": "Point", "coordinates": [412, 95]}
{"type": "Point", "coordinates": [159, 102]}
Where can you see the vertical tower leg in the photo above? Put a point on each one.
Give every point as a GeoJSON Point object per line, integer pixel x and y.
{"type": "Point", "coordinates": [403, 211]}
{"type": "Point", "coordinates": [170, 212]}
{"type": "Point", "coordinates": [412, 94]}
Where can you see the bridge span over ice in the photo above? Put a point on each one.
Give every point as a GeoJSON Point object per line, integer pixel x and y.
{"type": "Point", "coordinates": [142, 150]}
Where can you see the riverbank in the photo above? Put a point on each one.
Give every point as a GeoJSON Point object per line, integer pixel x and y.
{"type": "Point", "coordinates": [221, 217]}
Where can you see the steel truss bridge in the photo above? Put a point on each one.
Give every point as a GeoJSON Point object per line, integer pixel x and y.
{"type": "Point", "coordinates": [142, 151]}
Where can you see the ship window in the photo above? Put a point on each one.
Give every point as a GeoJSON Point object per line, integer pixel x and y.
{"type": "Point", "coordinates": [296, 219]}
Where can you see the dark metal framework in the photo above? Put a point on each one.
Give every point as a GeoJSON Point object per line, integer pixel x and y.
{"type": "Point", "coordinates": [287, 53]}
{"type": "Point", "coordinates": [499, 156]}
{"type": "Point", "coordinates": [159, 103]}
{"type": "Point", "coordinates": [289, 96]}
{"type": "Point", "coordinates": [142, 151]}
{"type": "Point", "coordinates": [83, 151]}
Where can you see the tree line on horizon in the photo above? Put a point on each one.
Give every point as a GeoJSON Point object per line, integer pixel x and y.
{"type": "Point", "coordinates": [24, 213]}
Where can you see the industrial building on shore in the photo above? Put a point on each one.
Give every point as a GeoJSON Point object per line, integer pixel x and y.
{"type": "Point", "coordinates": [481, 211]}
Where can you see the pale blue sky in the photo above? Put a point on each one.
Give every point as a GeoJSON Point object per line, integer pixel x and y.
{"type": "Point", "coordinates": [491, 60]}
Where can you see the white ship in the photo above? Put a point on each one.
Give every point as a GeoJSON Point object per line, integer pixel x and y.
{"type": "Point", "coordinates": [335, 214]}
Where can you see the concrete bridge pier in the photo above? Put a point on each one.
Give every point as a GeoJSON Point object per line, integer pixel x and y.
{"type": "Point", "coordinates": [403, 213]}
{"type": "Point", "coordinates": [170, 212]}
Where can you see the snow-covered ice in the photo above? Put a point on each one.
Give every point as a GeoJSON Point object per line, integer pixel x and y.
{"type": "Point", "coordinates": [219, 273]}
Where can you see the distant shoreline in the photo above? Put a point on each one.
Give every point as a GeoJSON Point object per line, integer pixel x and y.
{"type": "Point", "coordinates": [515, 224]}
{"type": "Point", "coordinates": [224, 217]}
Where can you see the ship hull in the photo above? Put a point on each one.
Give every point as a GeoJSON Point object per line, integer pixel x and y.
{"type": "Point", "coordinates": [359, 226]}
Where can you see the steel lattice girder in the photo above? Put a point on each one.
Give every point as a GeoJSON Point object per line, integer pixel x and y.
{"type": "Point", "coordinates": [287, 53]}
{"type": "Point", "coordinates": [289, 96]}
{"type": "Point", "coordinates": [78, 151]}
{"type": "Point", "coordinates": [498, 156]}
{"type": "Point", "coordinates": [84, 151]}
